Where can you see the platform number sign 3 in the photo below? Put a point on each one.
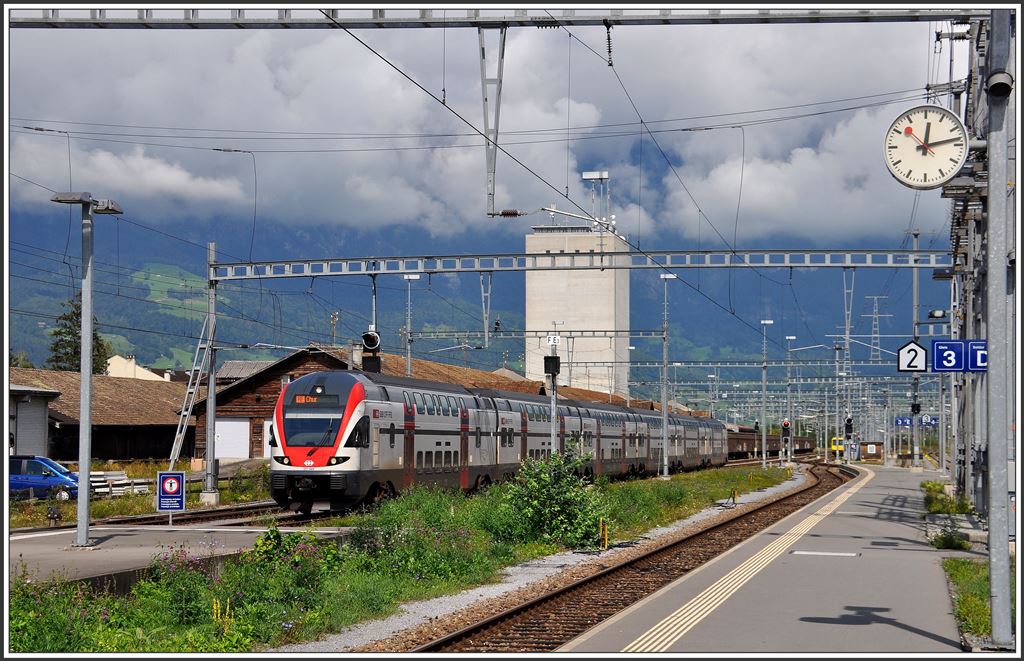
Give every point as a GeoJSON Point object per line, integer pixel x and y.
{"type": "Point", "coordinates": [947, 356]}
{"type": "Point", "coordinates": [912, 357]}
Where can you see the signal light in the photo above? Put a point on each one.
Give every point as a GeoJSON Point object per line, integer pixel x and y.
{"type": "Point", "coordinates": [371, 341]}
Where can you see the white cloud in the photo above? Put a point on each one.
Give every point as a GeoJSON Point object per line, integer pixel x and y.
{"type": "Point", "coordinates": [817, 178]}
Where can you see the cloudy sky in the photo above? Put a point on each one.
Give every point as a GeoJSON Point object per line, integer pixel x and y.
{"type": "Point", "coordinates": [329, 125]}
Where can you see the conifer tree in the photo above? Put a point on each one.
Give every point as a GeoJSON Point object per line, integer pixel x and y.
{"type": "Point", "coordinates": [66, 347]}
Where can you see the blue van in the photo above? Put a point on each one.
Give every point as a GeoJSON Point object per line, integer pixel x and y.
{"type": "Point", "coordinates": [44, 476]}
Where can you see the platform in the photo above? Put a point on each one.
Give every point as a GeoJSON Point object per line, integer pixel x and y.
{"type": "Point", "coordinates": [120, 549]}
{"type": "Point", "coordinates": [850, 573]}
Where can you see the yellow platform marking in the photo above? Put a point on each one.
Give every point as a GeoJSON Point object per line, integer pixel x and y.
{"type": "Point", "coordinates": [664, 634]}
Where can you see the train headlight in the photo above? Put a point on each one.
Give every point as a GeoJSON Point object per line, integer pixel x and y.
{"type": "Point", "coordinates": [332, 461]}
{"type": "Point", "coordinates": [283, 460]}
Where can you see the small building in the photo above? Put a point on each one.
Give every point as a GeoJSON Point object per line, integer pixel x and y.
{"type": "Point", "coordinates": [125, 367]}
{"type": "Point", "coordinates": [131, 418]}
{"type": "Point", "coordinates": [28, 415]}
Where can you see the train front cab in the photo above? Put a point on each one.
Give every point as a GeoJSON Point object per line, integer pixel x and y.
{"type": "Point", "coordinates": [318, 434]}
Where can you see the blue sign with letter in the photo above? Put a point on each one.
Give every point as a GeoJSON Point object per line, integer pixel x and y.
{"type": "Point", "coordinates": [977, 356]}
{"type": "Point", "coordinates": [904, 422]}
{"type": "Point", "coordinates": [948, 356]}
{"type": "Point", "coordinates": [170, 491]}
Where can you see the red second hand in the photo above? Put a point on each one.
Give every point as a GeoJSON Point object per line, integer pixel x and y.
{"type": "Point", "coordinates": [910, 131]}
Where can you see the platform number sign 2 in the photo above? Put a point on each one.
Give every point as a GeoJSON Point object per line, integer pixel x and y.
{"type": "Point", "coordinates": [912, 357]}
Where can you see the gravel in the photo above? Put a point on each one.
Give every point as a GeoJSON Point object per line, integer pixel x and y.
{"type": "Point", "coordinates": [421, 621]}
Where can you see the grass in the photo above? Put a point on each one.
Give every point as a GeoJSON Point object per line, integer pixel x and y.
{"type": "Point", "coordinates": [634, 507]}
{"type": "Point", "coordinates": [291, 588]}
{"type": "Point", "coordinates": [971, 599]}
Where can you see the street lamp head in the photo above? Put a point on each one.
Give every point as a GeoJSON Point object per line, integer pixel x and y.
{"type": "Point", "coordinates": [791, 337]}
{"type": "Point", "coordinates": [109, 207]}
{"type": "Point", "coordinates": [669, 276]}
{"type": "Point", "coordinates": [411, 276]}
{"type": "Point", "coordinates": [767, 322]}
{"type": "Point", "coordinates": [72, 198]}
{"type": "Point", "coordinates": [936, 314]}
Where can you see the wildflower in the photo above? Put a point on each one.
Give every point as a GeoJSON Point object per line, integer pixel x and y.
{"type": "Point", "coordinates": [287, 625]}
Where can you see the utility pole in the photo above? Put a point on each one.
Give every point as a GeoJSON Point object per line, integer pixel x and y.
{"type": "Point", "coordinates": [764, 387]}
{"type": "Point", "coordinates": [665, 277]}
{"type": "Point", "coordinates": [999, 291]}
{"type": "Point", "coordinates": [915, 406]}
{"type": "Point", "coordinates": [334, 328]}
{"type": "Point", "coordinates": [409, 278]}
{"type": "Point", "coordinates": [789, 403]}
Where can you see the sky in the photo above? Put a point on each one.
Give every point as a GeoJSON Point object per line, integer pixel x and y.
{"type": "Point", "coordinates": [753, 135]}
{"type": "Point", "coordinates": [817, 180]}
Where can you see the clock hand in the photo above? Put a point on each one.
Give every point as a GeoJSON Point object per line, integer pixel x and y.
{"type": "Point", "coordinates": [924, 144]}
{"type": "Point", "coordinates": [910, 131]}
{"type": "Point", "coordinates": [942, 142]}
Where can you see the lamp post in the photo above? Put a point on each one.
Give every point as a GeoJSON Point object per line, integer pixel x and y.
{"type": "Point", "coordinates": [409, 278]}
{"type": "Point", "coordinates": [713, 387]}
{"type": "Point", "coordinates": [665, 277]}
{"type": "Point", "coordinates": [89, 207]}
{"type": "Point", "coordinates": [789, 404]}
{"type": "Point", "coordinates": [764, 386]}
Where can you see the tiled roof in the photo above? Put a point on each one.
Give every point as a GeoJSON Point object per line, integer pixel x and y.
{"type": "Point", "coordinates": [242, 369]}
{"type": "Point", "coordinates": [115, 401]}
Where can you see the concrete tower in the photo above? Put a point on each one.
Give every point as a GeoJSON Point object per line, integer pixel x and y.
{"type": "Point", "coordinates": [581, 300]}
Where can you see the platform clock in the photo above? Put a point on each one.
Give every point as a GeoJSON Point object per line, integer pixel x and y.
{"type": "Point", "coordinates": [925, 147]}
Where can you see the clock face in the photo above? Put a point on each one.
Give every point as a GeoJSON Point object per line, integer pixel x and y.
{"type": "Point", "coordinates": [925, 147]}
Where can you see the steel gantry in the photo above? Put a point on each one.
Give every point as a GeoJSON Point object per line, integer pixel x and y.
{"type": "Point", "coordinates": [572, 261]}
{"type": "Point", "coordinates": [365, 19]}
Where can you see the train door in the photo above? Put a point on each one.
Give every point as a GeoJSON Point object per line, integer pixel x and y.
{"type": "Point", "coordinates": [523, 435]}
{"type": "Point", "coordinates": [463, 463]}
{"type": "Point", "coordinates": [408, 441]}
{"type": "Point", "coordinates": [375, 446]}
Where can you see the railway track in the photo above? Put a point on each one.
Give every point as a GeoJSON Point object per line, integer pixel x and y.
{"type": "Point", "coordinates": [549, 621]}
{"type": "Point", "coordinates": [234, 515]}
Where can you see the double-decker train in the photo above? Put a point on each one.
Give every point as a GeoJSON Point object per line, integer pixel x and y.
{"type": "Point", "coordinates": [345, 437]}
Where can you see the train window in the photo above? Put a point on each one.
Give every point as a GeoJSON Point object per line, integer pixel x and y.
{"type": "Point", "coordinates": [429, 456]}
{"type": "Point", "coordinates": [455, 458]}
{"type": "Point", "coordinates": [447, 457]}
{"type": "Point", "coordinates": [420, 408]}
{"type": "Point", "coordinates": [442, 406]}
{"type": "Point", "coordinates": [387, 397]}
{"type": "Point", "coordinates": [419, 459]}
{"type": "Point", "coordinates": [408, 402]}
{"type": "Point", "coordinates": [478, 437]}
{"type": "Point", "coordinates": [453, 405]}
{"type": "Point", "coordinates": [391, 435]}
{"type": "Point", "coordinates": [430, 403]}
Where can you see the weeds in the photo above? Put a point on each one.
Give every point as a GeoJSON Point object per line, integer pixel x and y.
{"type": "Point", "coordinates": [949, 537]}
{"type": "Point", "coordinates": [971, 598]}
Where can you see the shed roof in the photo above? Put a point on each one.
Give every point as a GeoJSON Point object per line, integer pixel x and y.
{"type": "Point", "coordinates": [115, 400]}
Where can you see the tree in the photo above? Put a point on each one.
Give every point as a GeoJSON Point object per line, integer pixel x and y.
{"type": "Point", "coordinates": [66, 347]}
{"type": "Point", "coordinates": [19, 359]}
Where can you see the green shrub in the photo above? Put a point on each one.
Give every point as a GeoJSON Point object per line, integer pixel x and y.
{"type": "Point", "coordinates": [949, 538]}
{"type": "Point", "coordinates": [549, 502]}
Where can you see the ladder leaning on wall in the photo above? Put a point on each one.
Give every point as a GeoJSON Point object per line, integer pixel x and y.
{"type": "Point", "coordinates": [200, 367]}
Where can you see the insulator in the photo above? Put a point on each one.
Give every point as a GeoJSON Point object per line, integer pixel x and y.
{"type": "Point", "coordinates": [511, 213]}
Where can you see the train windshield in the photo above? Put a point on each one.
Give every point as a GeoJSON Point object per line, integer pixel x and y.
{"type": "Point", "coordinates": [314, 408]}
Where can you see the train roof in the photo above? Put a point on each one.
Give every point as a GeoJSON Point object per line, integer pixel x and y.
{"type": "Point", "coordinates": [409, 382]}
